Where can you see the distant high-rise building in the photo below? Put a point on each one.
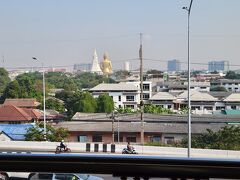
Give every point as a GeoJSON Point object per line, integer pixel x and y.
{"type": "Point", "coordinates": [218, 66]}
{"type": "Point", "coordinates": [174, 65]}
{"type": "Point", "coordinates": [95, 65]}
{"type": "Point", "coordinates": [82, 67]}
{"type": "Point", "coordinates": [126, 66]}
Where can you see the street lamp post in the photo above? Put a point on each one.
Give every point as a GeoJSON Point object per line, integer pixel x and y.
{"type": "Point", "coordinates": [189, 80]}
{"type": "Point", "coordinates": [44, 102]}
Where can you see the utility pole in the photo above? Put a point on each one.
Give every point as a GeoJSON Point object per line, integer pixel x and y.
{"type": "Point", "coordinates": [141, 86]}
{"type": "Point", "coordinates": [113, 116]}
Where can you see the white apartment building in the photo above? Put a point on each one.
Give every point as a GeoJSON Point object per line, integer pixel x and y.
{"type": "Point", "coordinates": [232, 102]}
{"type": "Point", "coordinates": [147, 88]}
{"type": "Point", "coordinates": [232, 85]}
{"type": "Point", "coordinates": [177, 86]}
{"type": "Point", "coordinates": [123, 95]}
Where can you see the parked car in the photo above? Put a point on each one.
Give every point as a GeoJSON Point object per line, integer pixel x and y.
{"type": "Point", "coordinates": [62, 176]}
{"type": "Point", "coordinates": [7, 175]}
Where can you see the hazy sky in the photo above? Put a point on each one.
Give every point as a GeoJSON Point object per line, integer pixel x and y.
{"type": "Point", "coordinates": [64, 32]}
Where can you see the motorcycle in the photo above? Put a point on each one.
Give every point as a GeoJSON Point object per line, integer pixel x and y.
{"type": "Point", "coordinates": [61, 150]}
{"type": "Point", "coordinates": [127, 151]}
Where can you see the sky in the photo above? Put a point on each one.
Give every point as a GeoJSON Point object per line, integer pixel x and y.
{"type": "Point", "coordinates": [66, 32]}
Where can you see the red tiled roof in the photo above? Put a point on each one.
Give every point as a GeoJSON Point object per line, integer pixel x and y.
{"type": "Point", "coordinates": [13, 113]}
{"type": "Point", "coordinates": [26, 102]}
{"type": "Point", "coordinates": [33, 113]}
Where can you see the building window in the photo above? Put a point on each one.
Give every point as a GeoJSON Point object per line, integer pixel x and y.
{"type": "Point", "coordinates": [119, 98]}
{"type": "Point", "coordinates": [116, 138]}
{"type": "Point", "coordinates": [208, 108]}
{"type": "Point", "coordinates": [129, 98]}
{"type": "Point", "coordinates": [145, 96]}
{"type": "Point", "coordinates": [129, 106]}
{"type": "Point", "coordinates": [156, 139]}
{"type": "Point", "coordinates": [97, 138]}
{"type": "Point", "coordinates": [169, 106]}
{"type": "Point", "coordinates": [82, 138]}
{"type": "Point", "coordinates": [219, 108]}
{"type": "Point", "coordinates": [146, 87]}
{"type": "Point", "coordinates": [168, 140]}
{"type": "Point", "coordinates": [195, 107]}
{"type": "Point", "coordinates": [233, 107]}
{"type": "Point", "coordinates": [119, 106]}
{"type": "Point", "coordinates": [131, 139]}
{"type": "Point", "coordinates": [203, 87]}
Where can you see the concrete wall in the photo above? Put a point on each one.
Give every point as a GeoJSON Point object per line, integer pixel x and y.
{"type": "Point", "coordinates": [144, 150]}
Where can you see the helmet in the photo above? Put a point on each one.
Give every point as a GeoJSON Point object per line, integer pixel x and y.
{"type": "Point", "coordinates": [62, 140]}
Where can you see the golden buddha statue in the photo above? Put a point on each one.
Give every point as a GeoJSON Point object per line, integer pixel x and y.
{"type": "Point", "coordinates": [106, 65]}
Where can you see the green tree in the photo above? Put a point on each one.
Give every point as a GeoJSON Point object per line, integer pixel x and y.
{"type": "Point", "coordinates": [227, 138]}
{"type": "Point", "coordinates": [87, 103]}
{"type": "Point", "coordinates": [26, 85]}
{"type": "Point", "coordinates": [64, 95]}
{"type": "Point", "coordinates": [4, 80]}
{"type": "Point", "coordinates": [89, 80]}
{"type": "Point", "coordinates": [36, 133]}
{"type": "Point", "coordinates": [105, 103]}
{"type": "Point", "coordinates": [218, 88]}
{"type": "Point", "coordinates": [12, 90]}
{"type": "Point", "coordinates": [125, 110]}
{"type": "Point", "coordinates": [122, 74]}
{"type": "Point", "coordinates": [80, 102]}
{"type": "Point", "coordinates": [55, 104]}
{"type": "Point", "coordinates": [156, 109]}
{"type": "Point", "coordinates": [232, 75]}
{"type": "Point", "coordinates": [154, 71]}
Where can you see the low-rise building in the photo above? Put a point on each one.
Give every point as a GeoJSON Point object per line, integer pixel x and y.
{"type": "Point", "coordinates": [13, 132]}
{"type": "Point", "coordinates": [232, 85]}
{"type": "Point", "coordinates": [22, 102]}
{"type": "Point", "coordinates": [10, 114]}
{"type": "Point", "coordinates": [124, 95]}
{"type": "Point", "coordinates": [157, 128]}
{"type": "Point", "coordinates": [163, 99]}
{"type": "Point", "coordinates": [178, 86]}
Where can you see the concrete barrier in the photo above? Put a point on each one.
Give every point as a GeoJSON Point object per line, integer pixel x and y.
{"type": "Point", "coordinates": [77, 147]}
{"type": "Point", "coordinates": [96, 147]}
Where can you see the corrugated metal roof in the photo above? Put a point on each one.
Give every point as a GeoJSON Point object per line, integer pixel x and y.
{"type": "Point", "coordinates": [136, 127]}
{"type": "Point", "coordinates": [24, 102]}
{"type": "Point", "coordinates": [197, 96]}
{"type": "Point", "coordinates": [163, 96]}
{"type": "Point", "coordinates": [115, 87]}
{"type": "Point", "coordinates": [232, 97]}
{"type": "Point", "coordinates": [15, 131]}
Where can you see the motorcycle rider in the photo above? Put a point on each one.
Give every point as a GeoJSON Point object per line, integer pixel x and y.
{"type": "Point", "coordinates": [62, 146]}
{"type": "Point", "coordinates": [129, 147]}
